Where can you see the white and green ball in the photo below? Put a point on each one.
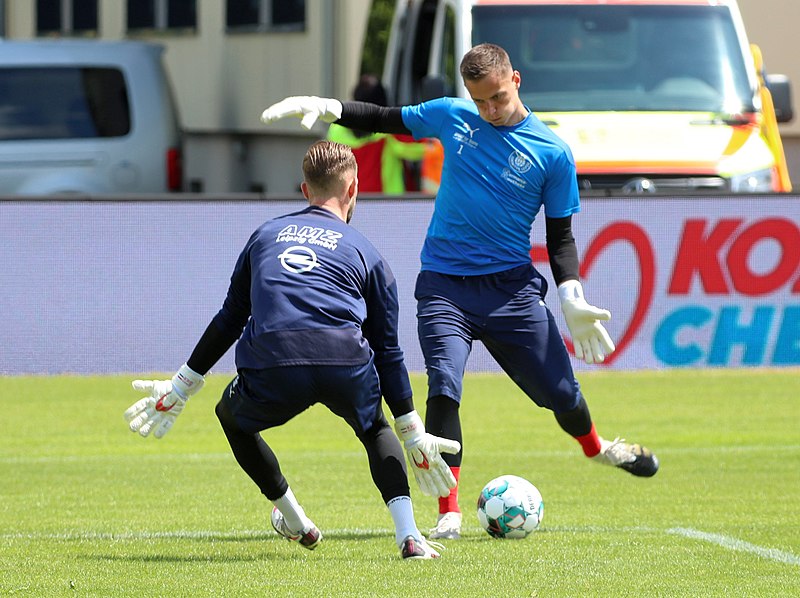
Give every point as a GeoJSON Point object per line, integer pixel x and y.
{"type": "Point", "coordinates": [510, 507]}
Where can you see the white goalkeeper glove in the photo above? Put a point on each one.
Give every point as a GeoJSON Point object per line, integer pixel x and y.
{"type": "Point", "coordinates": [590, 339]}
{"type": "Point", "coordinates": [307, 108]}
{"type": "Point", "coordinates": [157, 412]}
{"type": "Point", "coordinates": [424, 455]}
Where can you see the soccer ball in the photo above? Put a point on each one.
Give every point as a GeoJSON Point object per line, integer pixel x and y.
{"type": "Point", "coordinates": [510, 507]}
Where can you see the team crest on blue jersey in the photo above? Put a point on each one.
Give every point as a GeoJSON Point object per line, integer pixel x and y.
{"type": "Point", "coordinates": [519, 162]}
{"type": "Point", "coordinates": [298, 259]}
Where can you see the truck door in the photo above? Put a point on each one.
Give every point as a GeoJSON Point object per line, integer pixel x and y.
{"type": "Point", "coordinates": [422, 54]}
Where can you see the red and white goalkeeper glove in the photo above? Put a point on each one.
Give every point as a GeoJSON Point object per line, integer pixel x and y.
{"type": "Point", "coordinates": [424, 455]}
{"type": "Point", "coordinates": [590, 339]}
{"type": "Point", "coordinates": [157, 413]}
{"type": "Point", "coordinates": [307, 108]}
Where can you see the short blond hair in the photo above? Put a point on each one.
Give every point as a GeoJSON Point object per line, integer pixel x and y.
{"type": "Point", "coordinates": [326, 165]}
{"type": "Point", "coordinates": [483, 60]}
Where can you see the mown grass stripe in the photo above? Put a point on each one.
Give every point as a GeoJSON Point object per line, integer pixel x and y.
{"type": "Point", "coordinates": [268, 532]}
{"type": "Point", "coordinates": [225, 456]}
{"type": "Point", "coordinates": [179, 534]}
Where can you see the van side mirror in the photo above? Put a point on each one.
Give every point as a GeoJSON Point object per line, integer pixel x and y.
{"type": "Point", "coordinates": [781, 90]}
{"type": "Point", "coordinates": [433, 86]}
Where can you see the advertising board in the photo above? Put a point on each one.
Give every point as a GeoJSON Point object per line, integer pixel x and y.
{"type": "Point", "coordinates": [129, 286]}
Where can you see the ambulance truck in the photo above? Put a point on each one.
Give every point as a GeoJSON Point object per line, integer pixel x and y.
{"type": "Point", "coordinates": [653, 96]}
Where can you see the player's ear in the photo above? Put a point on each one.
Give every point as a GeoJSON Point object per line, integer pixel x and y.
{"type": "Point", "coordinates": [304, 189]}
{"type": "Point", "coordinates": [516, 78]}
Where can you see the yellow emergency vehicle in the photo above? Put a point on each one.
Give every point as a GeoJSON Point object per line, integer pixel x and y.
{"type": "Point", "coordinates": [651, 95]}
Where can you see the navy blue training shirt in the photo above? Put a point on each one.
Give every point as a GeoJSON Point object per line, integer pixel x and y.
{"type": "Point", "coordinates": [309, 289]}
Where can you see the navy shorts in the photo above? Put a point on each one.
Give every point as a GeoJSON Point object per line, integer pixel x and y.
{"type": "Point", "coordinates": [507, 313]}
{"type": "Point", "coordinates": [262, 399]}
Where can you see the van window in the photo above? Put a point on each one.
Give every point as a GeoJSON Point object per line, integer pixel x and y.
{"type": "Point", "coordinates": [62, 103]}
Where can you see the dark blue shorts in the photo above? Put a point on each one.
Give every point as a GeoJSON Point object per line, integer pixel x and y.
{"type": "Point", "coordinates": [262, 399]}
{"type": "Point", "coordinates": [507, 313]}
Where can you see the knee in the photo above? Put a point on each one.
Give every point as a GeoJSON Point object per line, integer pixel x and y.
{"type": "Point", "coordinates": [225, 417]}
{"type": "Point", "coordinates": [442, 402]}
{"type": "Point", "coordinates": [563, 398]}
{"type": "Point", "coordinates": [439, 407]}
{"type": "Point", "coordinates": [378, 426]}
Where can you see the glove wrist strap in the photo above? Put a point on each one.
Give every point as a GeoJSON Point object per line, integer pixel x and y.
{"type": "Point", "coordinates": [409, 425]}
{"type": "Point", "coordinates": [570, 290]}
{"type": "Point", "coordinates": [334, 107]}
{"type": "Point", "coordinates": [186, 382]}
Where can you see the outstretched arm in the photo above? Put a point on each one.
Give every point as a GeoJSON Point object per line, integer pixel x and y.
{"type": "Point", "coordinates": [353, 115]}
{"type": "Point", "coordinates": [166, 399]}
{"type": "Point", "coordinates": [373, 118]}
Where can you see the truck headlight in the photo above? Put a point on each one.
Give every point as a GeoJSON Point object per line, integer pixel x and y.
{"type": "Point", "coordinates": [757, 181]}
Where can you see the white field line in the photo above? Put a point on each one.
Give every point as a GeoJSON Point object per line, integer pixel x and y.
{"type": "Point", "coordinates": [737, 545]}
{"type": "Point", "coordinates": [693, 534]}
{"type": "Point", "coordinates": [21, 459]}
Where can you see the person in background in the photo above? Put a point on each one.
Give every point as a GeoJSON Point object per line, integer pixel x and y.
{"type": "Point", "coordinates": [316, 308]}
{"type": "Point", "coordinates": [381, 157]}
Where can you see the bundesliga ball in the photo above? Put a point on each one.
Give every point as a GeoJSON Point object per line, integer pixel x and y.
{"type": "Point", "coordinates": [510, 507]}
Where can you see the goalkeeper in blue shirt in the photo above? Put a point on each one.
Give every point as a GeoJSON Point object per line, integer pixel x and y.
{"type": "Point", "coordinates": [315, 306]}
{"type": "Point", "coordinates": [502, 166]}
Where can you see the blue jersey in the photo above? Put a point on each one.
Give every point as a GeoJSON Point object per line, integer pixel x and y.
{"type": "Point", "coordinates": [309, 289]}
{"type": "Point", "coordinates": [494, 182]}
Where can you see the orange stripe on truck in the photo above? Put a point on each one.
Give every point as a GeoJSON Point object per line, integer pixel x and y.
{"type": "Point", "coordinates": [627, 167]}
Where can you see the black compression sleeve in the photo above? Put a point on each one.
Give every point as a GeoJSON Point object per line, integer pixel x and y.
{"type": "Point", "coordinates": [401, 407]}
{"type": "Point", "coordinates": [373, 118]}
{"type": "Point", "coordinates": [209, 349]}
{"type": "Point", "coordinates": [561, 249]}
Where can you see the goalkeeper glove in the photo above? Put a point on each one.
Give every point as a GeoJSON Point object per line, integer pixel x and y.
{"type": "Point", "coordinates": [424, 455]}
{"type": "Point", "coordinates": [157, 412]}
{"type": "Point", "coordinates": [591, 341]}
{"type": "Point", "coordinates": [307, 108]}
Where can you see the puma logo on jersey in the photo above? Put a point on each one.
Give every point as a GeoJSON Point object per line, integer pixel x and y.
{"type": "Point", "coordinates": [465, 139]}
{"type": "Point", "coordinates": [470, 130]}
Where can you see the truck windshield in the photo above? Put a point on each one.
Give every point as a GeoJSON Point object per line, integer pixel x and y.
{"type": "Point", "coordinates": [621, 58]}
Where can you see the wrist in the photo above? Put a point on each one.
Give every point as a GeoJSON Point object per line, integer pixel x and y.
{"type": "Point", "coordinates": [186, 382]}
{"type": "Point", "coordinates": [570, 290]}
{"type": "Point", "coordinates": [334, 107]}
{"type": "Point", "coordinates": [409, 425]}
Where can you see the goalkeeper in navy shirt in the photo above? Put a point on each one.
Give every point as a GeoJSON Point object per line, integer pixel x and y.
{"type": "Point", "coordinates": [502, 166]}
{"type": "Point", "coordinates": [315, 306]}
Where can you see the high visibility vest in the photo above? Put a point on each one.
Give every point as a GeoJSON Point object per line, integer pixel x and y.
{"type": "Point", "coordinates": [379, 157]}
{"type": "Point", "coordinates": [431, 169]}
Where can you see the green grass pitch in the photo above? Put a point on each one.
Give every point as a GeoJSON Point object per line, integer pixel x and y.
{"type": "Point", "coordinates": [89, 509]}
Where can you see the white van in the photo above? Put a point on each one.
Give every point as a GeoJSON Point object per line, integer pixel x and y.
{"type": "Point", "coordinates": [87, 117]}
